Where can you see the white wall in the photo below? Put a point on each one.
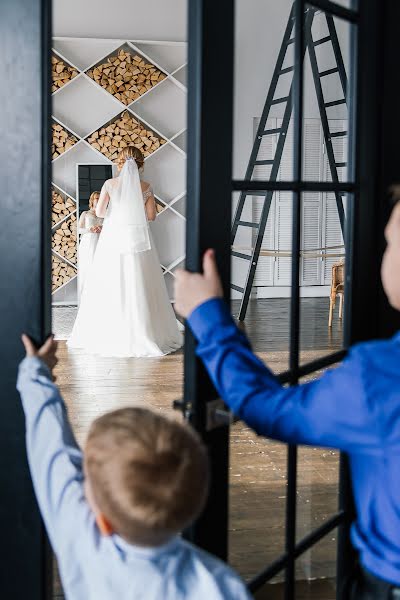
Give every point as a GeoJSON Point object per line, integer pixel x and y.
{"type": "Point", "coordinates": [124, 19]}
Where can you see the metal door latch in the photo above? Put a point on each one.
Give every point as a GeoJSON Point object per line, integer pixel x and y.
{"type": "Point", "coordinates": [218, 415]}
{"type": "Point", "coordinates": [184, 407]}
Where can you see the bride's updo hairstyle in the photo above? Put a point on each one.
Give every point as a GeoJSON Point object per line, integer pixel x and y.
{"type": "Point", "coordinates": [130, 152]}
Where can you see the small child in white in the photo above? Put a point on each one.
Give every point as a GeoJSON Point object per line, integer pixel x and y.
{"type": "Point", "coordinates": [114, 513]}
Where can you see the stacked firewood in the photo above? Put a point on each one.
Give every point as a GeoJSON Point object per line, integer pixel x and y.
{"type": "Point", "coordinates": [61, 73]}
{"type": "Point", "coordinates": [63, 140]}
{"type": "Point", "coordinates": [60, 207]}
{"type": "Point", "coordinates": [124, 131]}
{"type": "Point", "coordinates": [159, 207]}
{"type": "Point", "coordinates": [64, 239]}
{"type": "Point", "coordinates": [61, 272]}
{"type": "Point", "coordinates": [126, 76]}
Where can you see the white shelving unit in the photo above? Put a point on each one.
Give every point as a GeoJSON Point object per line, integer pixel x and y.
{"type": "Point", "coordinates": [82, 106]}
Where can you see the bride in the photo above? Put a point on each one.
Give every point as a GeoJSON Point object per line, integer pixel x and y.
{"type": "Point", "coordinates": [124, 309]}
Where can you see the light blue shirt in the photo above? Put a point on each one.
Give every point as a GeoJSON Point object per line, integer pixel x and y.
{"type": "Point", "coordinates": [94, 567]}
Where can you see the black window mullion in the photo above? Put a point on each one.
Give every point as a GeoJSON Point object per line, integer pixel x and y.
{"type": "Point", "coordinates": [300, 548]}
{"type": "Point", "coordinates": [295, 186]}
{"type": "Point", "coordinates": [337, 10]}
{"type": "Point", "coordinates": [290, 531]}
{"type": "Point", "coordinates": [209, 176]}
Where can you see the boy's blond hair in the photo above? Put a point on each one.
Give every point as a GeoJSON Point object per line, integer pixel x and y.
{"type": "Point", "coordinates": [148, 474]}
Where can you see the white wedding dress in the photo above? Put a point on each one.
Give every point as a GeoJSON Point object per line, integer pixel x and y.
{"type": "Point", "coordinates": [125, 310]}
{"type": "Point", "coordinates": [87, 246]}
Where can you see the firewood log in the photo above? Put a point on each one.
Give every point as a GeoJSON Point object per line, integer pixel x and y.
{"type": "Point", "coordinates": [62, 272]}
{"type": "Point", "coordinates": [60, 207]}
{"type": "Point", "coordinates": [64, 239]}
{"type": "Point", "coordinates": [61, 73]}
{"type": "Point", "coordinates": [63, 140]}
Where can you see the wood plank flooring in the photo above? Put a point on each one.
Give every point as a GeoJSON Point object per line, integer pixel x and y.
{"type": "Point", "coordinates": [93, 385]}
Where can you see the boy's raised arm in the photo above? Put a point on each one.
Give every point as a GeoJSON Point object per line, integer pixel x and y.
{"type": "Point", "coordinates": [317, 413]}
{"type": "Point", "coordinates": [54, 458]}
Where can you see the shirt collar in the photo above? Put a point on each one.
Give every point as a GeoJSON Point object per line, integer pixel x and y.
{"type": "Point", "coordinates": [145, 551]}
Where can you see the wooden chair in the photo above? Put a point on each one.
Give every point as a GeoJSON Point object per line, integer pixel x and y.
{"type": "Point", "coordinates": [337, 289]}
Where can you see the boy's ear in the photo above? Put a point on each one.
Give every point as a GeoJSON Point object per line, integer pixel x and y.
{"type": "Point", "coordinates": [103, 525]}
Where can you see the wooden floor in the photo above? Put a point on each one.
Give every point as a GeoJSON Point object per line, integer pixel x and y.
{"type": "Point", "coordinates": [93, 385]}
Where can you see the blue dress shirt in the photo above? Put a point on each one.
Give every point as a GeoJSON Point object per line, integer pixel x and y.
{"type": "Point", "coordinates": [355, 408]}
{"type": "Point", "coordinates": [94, 567]}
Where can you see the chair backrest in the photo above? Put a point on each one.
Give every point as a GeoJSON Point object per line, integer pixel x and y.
{"type": "Point", "coordinates": [338, 275]}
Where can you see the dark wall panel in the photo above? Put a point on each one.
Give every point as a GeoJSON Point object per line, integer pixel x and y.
{"type": "Point", "coordinates": [24, 266]}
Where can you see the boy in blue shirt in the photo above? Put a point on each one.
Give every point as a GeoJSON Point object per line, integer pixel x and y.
{"type": "Point", "coordinates": [355, 408]}
{"type": "Point", "coordinates": [114, 513]}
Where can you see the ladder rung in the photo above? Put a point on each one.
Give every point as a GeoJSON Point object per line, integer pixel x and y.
{"type": "Point", "coordinates": [280, 100]}
{"type": "Point", "coordinates": [264, 162]}
{"type": "Point", "coordinates": [271, 131]}
{"type": "Point", "coordinates": [248, 224]}
{"type": "Point", "coordinates": [342, 164]}
{"type": "Point", "coordinates": [240, 255]}
{"type": "Point", "coordinates": [328, 72]}
{"type": "Point", "coordinates": [286, 70]}
{"type": "Point", "coordinates": [338, 134]}
{"type": "Point", "coordinates": [322, 40]}
{"type": "Point", "coordinates": [335, 102]}
{"type": "Point", "coordinates": [291, 41]}
{"type": "Point", "coordinates": [237, 288]}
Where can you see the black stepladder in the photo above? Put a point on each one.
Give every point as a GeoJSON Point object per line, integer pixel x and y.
{"type": "Point", "coordinates": [309, 44]}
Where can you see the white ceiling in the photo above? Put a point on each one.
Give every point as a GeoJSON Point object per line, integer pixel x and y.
{"type": "Point", "coordinates": [122, 19]}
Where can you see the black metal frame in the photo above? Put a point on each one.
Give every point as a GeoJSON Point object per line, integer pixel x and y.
{"type": "Point", "coordinates": [25, 267]}
{"type": "Point", "coordinates": [344, 515]}
{"type": "Point", "coordinates": [360, 253]}
{"type": "Point", "coordinates": [208, 225]}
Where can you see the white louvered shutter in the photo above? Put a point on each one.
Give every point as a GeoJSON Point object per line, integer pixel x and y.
{"type": "Point", "coordinates": [283, 214]}
{"type": "Point", "coordinates": [332, 233]}
{"type": "Point", "coordinates": [311, 208]}
{"type": "Point", "coordinates": [264, 275]}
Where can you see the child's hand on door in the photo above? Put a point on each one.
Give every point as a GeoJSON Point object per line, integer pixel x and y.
{"type": "Point", "coordinates": [192, 289]}
{"type": "Point", "coordinates": [47, 353]}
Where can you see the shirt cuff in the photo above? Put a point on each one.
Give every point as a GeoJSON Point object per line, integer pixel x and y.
{"type": "Point", "coordinates": [209, 316]}
{"type": "Point", "coordinates": [31, 366]}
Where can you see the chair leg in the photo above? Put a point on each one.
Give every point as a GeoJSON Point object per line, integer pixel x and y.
{"type": "Point", "coordinates": [341, 306]}
{"type": "Point", "coordinates": [331, 305]}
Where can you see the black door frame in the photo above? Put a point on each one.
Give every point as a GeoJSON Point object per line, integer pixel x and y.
{"type": "Point", "coordinates": [25, 255]}
{"type": "Point", "coordinates": [210, 34]}
{"type": "Point", "coordinates": [209, 231]}
{"type": "Point", "coordinates": [25, 271]}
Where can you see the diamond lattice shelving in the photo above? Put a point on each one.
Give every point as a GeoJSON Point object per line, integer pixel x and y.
{"type": "Point", "coordinates": [62, 140]}
{"type": "Point", "coordinates": [61, 206]}
{"type": "Point", "coordinates": [94, 118]}
{"type": "Point", "coordinates": [64, 239]}
{"type": "Point", "coordinates": [126, 75]}
{"type": "Point", "coordinates": [62, 272]}
{"type": "Point", "coordinates": [61, 72]}
{"type": "Point", "coordinates": [122, 131]}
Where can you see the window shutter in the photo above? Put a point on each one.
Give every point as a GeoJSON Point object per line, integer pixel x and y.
{"type": "Point", "coordinates": [283, 212]}
{"type": "Point", "coordinates": [332, 233]}
{"type": "Point", "coordinates": [264, 274]}
{"type": "Point", "coordinates": [311, 206]}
